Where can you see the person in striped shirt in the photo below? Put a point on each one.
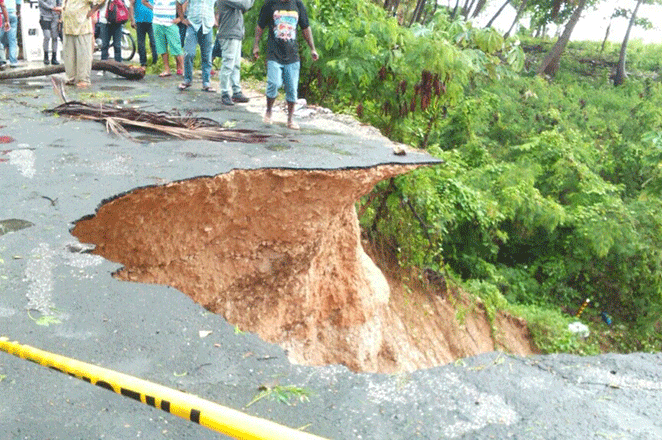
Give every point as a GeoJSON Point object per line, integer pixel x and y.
{"type": "Point", "coordinates": [166, 33]}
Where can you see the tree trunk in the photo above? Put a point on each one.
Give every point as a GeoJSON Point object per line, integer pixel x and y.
{"type": "Point", "coordinates": [454, 13]}
{"type": "Point", "coordinates": [550, 64]}
{"type": "Point", "coordinates": [489, 24]}
{"type": "Point", "coordinates": [418, 10]}
{"type": "Point", "coordinates": [604, 42]}
{"type": "Point", "coordinates": [479, 8]}
{"type": "Point", "coordinates": [124, 70]}
{"type": "Point", "coordinates": [468, 5]}
{"type": "Point", "coordinates": [520, 11]}
{"type": "Point", "coordinates": [620, 69]}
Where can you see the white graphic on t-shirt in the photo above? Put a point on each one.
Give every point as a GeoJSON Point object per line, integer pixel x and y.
{"type": "Point", "coordinates": [285, 25]}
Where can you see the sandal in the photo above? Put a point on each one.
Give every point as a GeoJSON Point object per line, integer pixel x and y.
{"type": "Point", "coordinates": [165, 74]}
{"type": "Point", "coordinates": [209, 89]}
{"type": "Point", "coordinates": [180, 72]}
{"type": "Point", "coordinates": [293, 125]}
{"type": "Point", "coordinates": [184, 86]}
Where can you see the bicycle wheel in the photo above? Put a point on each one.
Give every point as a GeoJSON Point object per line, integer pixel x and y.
{"type": "Point", "coordinates": [128, 46]}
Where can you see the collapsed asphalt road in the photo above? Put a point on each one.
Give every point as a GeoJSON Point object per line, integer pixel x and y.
{"type": "Point", "coordinates": [57, 296]}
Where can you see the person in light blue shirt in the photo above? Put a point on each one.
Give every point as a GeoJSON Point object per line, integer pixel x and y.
{"type": "Point", "coordinates": [199, 20]}
{"type": "Point", "coordinates": [8, 37]}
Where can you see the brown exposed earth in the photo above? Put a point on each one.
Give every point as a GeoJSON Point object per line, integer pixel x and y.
{"type": "Point", "coordinates": [278, 252]}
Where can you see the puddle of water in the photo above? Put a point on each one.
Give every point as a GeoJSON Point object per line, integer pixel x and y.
{"type": "Point", "coordinates": [13, 224]}
{"type": "Point", "coordinates": [278, 147]}
{"type": "Point", "coordinates": [116, 88]}
{"type": "Point", "coordinates": [333, 149]}
{"type": "Point", "coordinates": [147, 138]}
{"type": "Point", "coordinates": [31, 85]}
{"type": "Point", "coordinates": [123, 102]}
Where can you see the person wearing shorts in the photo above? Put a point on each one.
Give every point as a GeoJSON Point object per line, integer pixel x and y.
{"type": "Point", "coordinates": [282, 17]}
{"type": "Point", "coordinates": [166, 33]}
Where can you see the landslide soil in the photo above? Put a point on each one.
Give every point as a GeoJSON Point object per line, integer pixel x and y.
{"type": "Point", "coordinates": [278, 252]}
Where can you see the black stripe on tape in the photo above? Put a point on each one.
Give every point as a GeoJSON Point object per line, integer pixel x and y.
{"type": "Point", "coordinates": [195, 416]}
{"type": "Point", "coordinates": [129, 393]}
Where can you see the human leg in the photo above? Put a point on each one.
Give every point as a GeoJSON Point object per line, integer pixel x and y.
{"type": "Point", "coordinates": [141, 34]}
{"type": "Point", "coordinates": [152, 43]}
{"type": "Point", "coordinates": [11, 39]}
{"type": "Point", "coordinates": [205, 41]}
{"type": "Point", "coordinates": [235, 78]}
{"type": "Point", "coordinates": [46, 30]}
{"type": "Point", "coordinates": [274, 80]}
{"type": "Point", "coordinates": [291, 83]}
{"type": "Point", "coordinates": [54, 35]}
{"type": "Point", "coordinates": [160, 40]}
{"type": "Point", "coordinates": [226, 74]}
{"type": "Point", "coordinates": [116, 32]}
{"type": "Point", "coordinates": [83, 58]}
{"type": "Point", "coordinates": [190, 43]}
{"type": "Point", "coordinates": [104, 34]}
{"type": "Point", "coordinates": [175, 49]}
{"type": "Point", "coordinates": [69, 59]}
{"type": "Point", "coordinates": [166, 65]}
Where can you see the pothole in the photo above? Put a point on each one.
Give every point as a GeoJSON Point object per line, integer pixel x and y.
{"type": "Point", "coordinates": [275, 251]}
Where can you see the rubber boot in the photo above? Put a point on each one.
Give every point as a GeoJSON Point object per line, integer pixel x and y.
{"type": "Point", "coordinates": [54, 60]}
{"type": "Point", "coordinates": [46, 60]}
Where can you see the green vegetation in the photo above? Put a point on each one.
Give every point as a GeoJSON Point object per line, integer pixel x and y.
{"type": "Point", "coordinates": [550, 190]}
{"type": "Point", "coordinates": [283, 394]}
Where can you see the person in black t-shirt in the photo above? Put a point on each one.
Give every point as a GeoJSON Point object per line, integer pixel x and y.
{"type": "Point", "coordinates": [282, 18]}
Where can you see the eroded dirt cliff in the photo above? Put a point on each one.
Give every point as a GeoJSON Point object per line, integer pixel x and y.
{"type": "Point", "coordinates": [278, 252]}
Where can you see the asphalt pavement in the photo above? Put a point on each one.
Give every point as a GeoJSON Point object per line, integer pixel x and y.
{"type": "Point", "coordinates": [57, 296]}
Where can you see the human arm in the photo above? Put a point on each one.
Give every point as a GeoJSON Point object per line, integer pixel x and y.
{"type": "Point", "coordinates": [256, 43]}
{"type": "Point", "coordinates": [181, 14]}
{"type": "Point", "coordinates": [94, 9]}
{"type": "Point", "coordinates": [308, 36]}
{"type": "Point", "coordinates": [5, 17]}
{"type": "Point", "coordinates": [242, 5]}
{"type": "Point", "coordinates": [132, 10]}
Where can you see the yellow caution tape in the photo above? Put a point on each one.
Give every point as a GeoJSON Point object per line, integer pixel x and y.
{"type": "Point", "coordinates": [209, 414]}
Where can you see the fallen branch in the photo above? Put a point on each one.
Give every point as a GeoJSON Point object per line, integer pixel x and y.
{"type": "Point", "coordinates": [125, 70]}
{"type": "Point", "coordinates": [118, 120]}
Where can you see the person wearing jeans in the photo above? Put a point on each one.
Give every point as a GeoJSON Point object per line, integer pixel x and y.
{"type": "Point", "coordinates": [8, 36]}
{"type": "Point", "coordinates": [199, 21]}
{"type": "Point", "coordinates": [230, 34]}
{"type": "Point", "coordinates": [111, 30]}
{"type": "Point", "coordinates": [282, 17]}
{"type": "Point", "coordinates": [142, 23]}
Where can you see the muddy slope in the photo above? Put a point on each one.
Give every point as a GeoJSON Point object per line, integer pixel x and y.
{"type": "Point", "coordinates": [278, 252]}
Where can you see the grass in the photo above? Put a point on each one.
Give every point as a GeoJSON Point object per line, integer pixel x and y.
{"type": "Point", "coordinates": [285, 394]}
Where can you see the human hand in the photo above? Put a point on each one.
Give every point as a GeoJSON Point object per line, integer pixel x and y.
{"type": "Point", "coordinates": [256, 51]}
{"type": "Point", "coordinates": [313, 53]}
{"type": "Point", "coordinates": [7, 26]}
